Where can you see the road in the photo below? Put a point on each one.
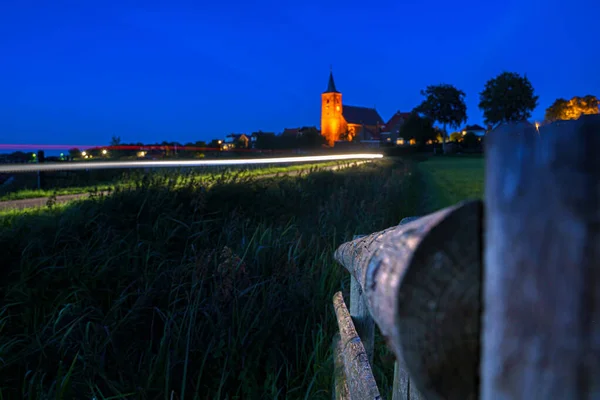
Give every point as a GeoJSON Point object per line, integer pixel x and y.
{"type": "Point", "coordinates": [41, 201]}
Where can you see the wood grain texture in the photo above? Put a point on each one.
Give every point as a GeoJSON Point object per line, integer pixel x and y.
{"type": "Point", "coordinates": [359, 377]}
{"type": "Point", "coordinates": [363, 322]}
{"type": "Point", "coordinates": [340, 387]}
{"type": "Point", "coordinates": [365, 326]}
{"type": "Point", "coordinates": [422, 283]}
{"type": "Point", "coordinates": [541, 326]}
{"type": "Point", "coordinates": [402, 389]}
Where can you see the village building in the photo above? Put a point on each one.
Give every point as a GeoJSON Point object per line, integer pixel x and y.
{"type": "Point", "coordinates": [474, 129]}
{"type": "Point", "coordinates": [340, 122]}
{"type": "Point", "coordinates": [344, 122]}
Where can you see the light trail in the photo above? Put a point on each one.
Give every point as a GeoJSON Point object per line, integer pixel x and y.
{"type": "Point", "coordinates": [72, 166]}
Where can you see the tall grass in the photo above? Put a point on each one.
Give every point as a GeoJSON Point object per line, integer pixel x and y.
{"type": "Point", "coordinates": [77, 182]}
{"type": "Point", "coordinates": [193, 291]}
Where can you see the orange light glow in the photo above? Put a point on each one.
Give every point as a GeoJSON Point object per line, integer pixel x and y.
{"type": "Point", "coordinates": [332, 121]}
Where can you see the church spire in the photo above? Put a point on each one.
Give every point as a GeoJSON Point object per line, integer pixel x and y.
{"type": "Point", "coordinates": [331, 85]}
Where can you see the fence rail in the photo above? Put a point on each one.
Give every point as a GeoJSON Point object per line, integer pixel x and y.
{"type": "Point", "coordinates": [497, 305]}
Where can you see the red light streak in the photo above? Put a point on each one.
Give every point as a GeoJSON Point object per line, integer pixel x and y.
{"type": "Point", "coordinates": [17, 147]}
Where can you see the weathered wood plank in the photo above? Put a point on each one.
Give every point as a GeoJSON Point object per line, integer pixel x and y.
{"type": "Point", "coordinates": [340, 387]}
{"type": "Point", "coordinates": [402, 389]}
{"type": "Point", "coordinates": [365, 326]}
{"type": "Point", "coordinates": [541, 326]}
{"type": "Point", "coordinates": [359, 377]}
{"type": "Point", "coordinates": [422, 283]}
{"type": "Point", "coordinates": [363, 322]}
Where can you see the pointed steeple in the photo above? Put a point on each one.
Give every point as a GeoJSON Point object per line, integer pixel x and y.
{"type": "Point", "coordinates": [331, 85]}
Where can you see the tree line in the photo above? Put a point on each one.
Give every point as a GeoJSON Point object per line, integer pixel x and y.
{"type": "Point", "coordinates": [506, 98]}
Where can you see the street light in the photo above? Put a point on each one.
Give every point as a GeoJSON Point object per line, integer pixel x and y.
{"type": "Point", "coordinates": [104, 151]}
{"type": "Point", "coordinates": [83, 153]}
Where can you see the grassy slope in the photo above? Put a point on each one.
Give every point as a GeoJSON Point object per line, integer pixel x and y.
{"type": "Point", "coordinates": [450, 180]}
{"type": "Point", "coordinates": [165, 289]}
{"type": "Point", "coordinates": [34, 193]}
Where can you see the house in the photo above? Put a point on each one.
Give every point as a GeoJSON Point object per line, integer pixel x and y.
{"type": "Point", "coordinates": [344, 122]}
{"type": "Point", "coordinates": [255, 137]}
{"type": "Point", "coordinates": [475, 129]}
{"type": "Point", "coordinates": [393, 127]}
{"type": "Point", "coordinates": [237, 141]}
{"type": "Point", "coordinates": [292, 132]}
{"type": "Point", "coordinates": [299, 132]}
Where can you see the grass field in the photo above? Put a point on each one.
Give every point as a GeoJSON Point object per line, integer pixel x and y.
{"type": "Point", "coordinates": [130, 177]}
{"type": "Point", "coordinates": [181, 290]}
{"type": "Point", "coordinates": [449, 180]}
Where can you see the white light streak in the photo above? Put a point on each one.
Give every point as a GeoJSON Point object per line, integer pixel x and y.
{"type": "Point", "coordinates": [71, 166]}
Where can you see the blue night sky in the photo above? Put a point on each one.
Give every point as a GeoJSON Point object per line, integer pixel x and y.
{"type": "Point", "coordinates": [79, 72]}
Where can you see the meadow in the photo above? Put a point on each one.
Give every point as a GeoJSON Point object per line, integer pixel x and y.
{"type": "Point", "coordinates": [451, 179]}
{"type": "Point", "coordinates": [173, 288]}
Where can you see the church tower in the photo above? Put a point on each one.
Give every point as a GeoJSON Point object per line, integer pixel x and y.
{"type": "Point", "coordinates": [331, 112]}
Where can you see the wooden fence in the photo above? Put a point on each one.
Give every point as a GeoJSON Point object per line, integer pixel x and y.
{"type": "Point", "coordinates": [487, 300]}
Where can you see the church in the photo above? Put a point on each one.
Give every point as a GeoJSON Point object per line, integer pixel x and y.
{"type": "Point", "coordinates": [342, 122]}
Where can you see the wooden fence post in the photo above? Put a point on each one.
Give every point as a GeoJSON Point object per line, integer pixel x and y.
{"type": "Point", "coordinates": [541, 324]}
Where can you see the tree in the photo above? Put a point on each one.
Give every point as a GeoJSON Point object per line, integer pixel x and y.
{"type": "Point", "coordinates": [563, 109]}
{"type": "Point", "coordinates": [445, 104]}
{"type": "Point", "coordinates": [456, 137]}
{"type": "Point", "coordinates": [74, 153]}
{"type": "Point", "coordinates": [419, 128]}
{"type": "Point", "coordinates": [19, 156]}
{"type": "Point", "coordinates": [115, 141]}
{"type": "Point", "coordinates": [215, 144]}
{"type": "Point", "coordinates": [506, 98]}
{"type": "Point", "coordinates": [470, 140]}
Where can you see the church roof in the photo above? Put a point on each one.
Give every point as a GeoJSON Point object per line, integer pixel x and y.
{"type": "Point", "coordinates": [331, 84]}
{"type": "Point", "coordinates": [361, 115]}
